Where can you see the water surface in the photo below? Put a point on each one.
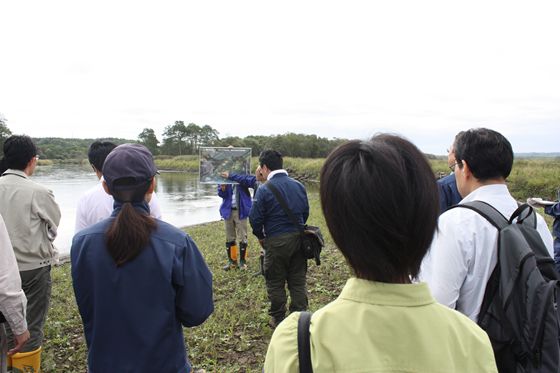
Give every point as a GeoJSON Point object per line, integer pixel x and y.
{"type": "Point", "coordinates": [182, 199]}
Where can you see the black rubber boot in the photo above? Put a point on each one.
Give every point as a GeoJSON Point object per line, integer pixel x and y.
{"type": "Point", "coordinates": [231, 248]}
{"type": "Point", "coordinates": [243, 255]}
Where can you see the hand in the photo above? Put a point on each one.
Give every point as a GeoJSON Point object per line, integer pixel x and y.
{"type": "Point", "coordinates": [20, 342]}
{"type": "Point", "coordinates": [258, 174]}
{"type": "Point", "coordinates": [223, 187]}
{"type": "Point", "coordinates": [225, 174]}
{"type": "Point", "coordinates": [262, 243]}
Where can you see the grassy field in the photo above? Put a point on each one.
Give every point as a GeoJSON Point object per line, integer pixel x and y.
{"type": "Point", "coordinates": [234, 338]}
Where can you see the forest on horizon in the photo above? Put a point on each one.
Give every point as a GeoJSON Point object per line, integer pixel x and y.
{"type": "Point", "coordinates": [186, 139]}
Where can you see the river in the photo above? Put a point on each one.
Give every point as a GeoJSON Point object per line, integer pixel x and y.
{"type": "Point", "coordinates": [182, 199]}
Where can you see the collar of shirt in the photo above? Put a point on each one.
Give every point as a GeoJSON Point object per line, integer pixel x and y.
{"type": "Point", "coordinates": [276, 172]}
{"type": "Point", "coordinates": [487, 193]}
{"type": "Point", "coordinates": [11, 171]}
{"type": "Point", "coordinates": [142, 206]}
{"type": "Point", "coordinates": [386, 294]}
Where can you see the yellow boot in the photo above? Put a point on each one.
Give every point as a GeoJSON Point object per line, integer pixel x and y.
{"type": "Point", "coordinates": [26, 362]}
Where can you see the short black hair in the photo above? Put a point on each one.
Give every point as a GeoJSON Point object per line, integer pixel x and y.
{"type": "Point", "coordinates": [98, 151]}
{"type": "Point", "coordinates": [487, 152]}
{"type": "Point", "coordinates": [271, 159]}
{"type": "Point", "coordinates": [380, 202]}
{"type": "Point", "coordinates": [18, 151]}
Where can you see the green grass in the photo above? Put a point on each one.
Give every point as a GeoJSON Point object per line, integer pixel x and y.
{"type": "Point", "coordinates": [186, 163]}
{"type": "Point", "coordinates": [234, 338]}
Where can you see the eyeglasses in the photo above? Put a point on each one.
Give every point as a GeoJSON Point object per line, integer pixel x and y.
{"type": "Point", "coordinates": [452, 167]}
{"type": "Point", "coordinates": [37, 157]}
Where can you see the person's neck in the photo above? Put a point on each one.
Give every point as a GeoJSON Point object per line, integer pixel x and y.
{"type": "Point", "coordinates": [481, 183]}
{"type": "Point", "coordinates": [400, 279]}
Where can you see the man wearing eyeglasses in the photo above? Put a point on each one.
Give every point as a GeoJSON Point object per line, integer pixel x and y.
{"type": "Point", "coordinates": [463, 253]}
{"type": "Point", "coordinates": [32, 217]}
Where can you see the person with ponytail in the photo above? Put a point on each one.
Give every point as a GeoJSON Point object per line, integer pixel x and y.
{"type": "Point", "coordinates": [137, 280]}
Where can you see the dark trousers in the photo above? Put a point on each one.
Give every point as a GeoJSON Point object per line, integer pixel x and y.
{"type": "Point", "coordinates": [36, 285]}
{"type": "Point", "coordinates": [284, 263]}
{"type": "Point", "coordinates": [3, 349]}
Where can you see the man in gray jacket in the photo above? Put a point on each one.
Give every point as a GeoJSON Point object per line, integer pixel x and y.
{"type": "Point", "coordinates": [32, 217]}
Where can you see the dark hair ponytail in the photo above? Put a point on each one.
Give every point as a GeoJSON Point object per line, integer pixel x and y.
{"type": "Point", "coordinates": [129, 234]}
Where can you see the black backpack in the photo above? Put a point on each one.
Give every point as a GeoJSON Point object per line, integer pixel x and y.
{"type": "Point", "coordinates": [520, 310]}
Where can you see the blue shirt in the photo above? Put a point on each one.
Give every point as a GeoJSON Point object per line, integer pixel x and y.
{"type": "Point", "coordinates": [267, 213]}
{"type": "Point", "coordinates": [244, 202]}
{"type": "Point", "coordinates": [133, 315]}
{"type": "Point", "coordinates": [448, 193]}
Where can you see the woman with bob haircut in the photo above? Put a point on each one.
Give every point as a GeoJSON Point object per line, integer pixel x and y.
{"type": "Point", "coordinates": [380, 202]}
{"type": "Point", "coordinates": [137, 280]}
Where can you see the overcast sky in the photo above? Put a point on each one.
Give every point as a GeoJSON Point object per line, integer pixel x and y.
{"type": "Point", "coordinates": [347, 69]}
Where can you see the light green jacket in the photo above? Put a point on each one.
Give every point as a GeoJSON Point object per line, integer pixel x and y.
{"type": "Point", "coordinates": [31, 216]}
{"type": "Point", "coordinates": [379, 327]}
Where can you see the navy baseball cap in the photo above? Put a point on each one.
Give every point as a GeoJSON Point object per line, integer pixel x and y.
{"type": "Point", "coordinates": [132, 163]}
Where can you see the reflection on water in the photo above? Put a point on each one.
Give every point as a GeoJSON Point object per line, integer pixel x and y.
{"type": "Point", "coordinates": [182, 199]}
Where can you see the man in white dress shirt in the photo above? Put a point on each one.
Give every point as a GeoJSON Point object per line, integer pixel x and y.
{"type": "Point", "coordinates": [96, 205]}
{"type": "Point", "coordinates": [463, 253]}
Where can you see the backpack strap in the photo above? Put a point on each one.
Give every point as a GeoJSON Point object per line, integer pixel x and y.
{"type": "Point", "coordinates": [487, 211]}
{"type": "Point", "coordinates": [284, 205]}
{"type": "Point", "coordinates": [304, 345]}
{"type": "Point", "coordinates": [525, 212]}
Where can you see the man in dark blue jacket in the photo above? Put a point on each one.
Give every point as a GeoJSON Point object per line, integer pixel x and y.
{"type": "Point", "coordinates": [283, 259]}
{"type": "Point", "coordinates": [447, 186]}
{"type": "Point", "coordinates": [236, 204]}
{"type": "Point", "coordinates": [448, 193]}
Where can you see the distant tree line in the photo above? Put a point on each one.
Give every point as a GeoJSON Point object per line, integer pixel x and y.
{"type": "Point", "coordinates": [186, 139]}
{"type": "Point", "coordinates": [181, 139]}
{"type": "Point", "coordinates": [4, 132]}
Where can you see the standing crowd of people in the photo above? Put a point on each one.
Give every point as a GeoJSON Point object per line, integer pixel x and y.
{"type": "Point", "coordinates": [420, 263]}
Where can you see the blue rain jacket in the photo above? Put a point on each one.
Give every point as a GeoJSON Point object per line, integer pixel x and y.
{"type": "Point", "coordinates": [134, 315]}
{"type": "Point", "coordinates": [244, 203]}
